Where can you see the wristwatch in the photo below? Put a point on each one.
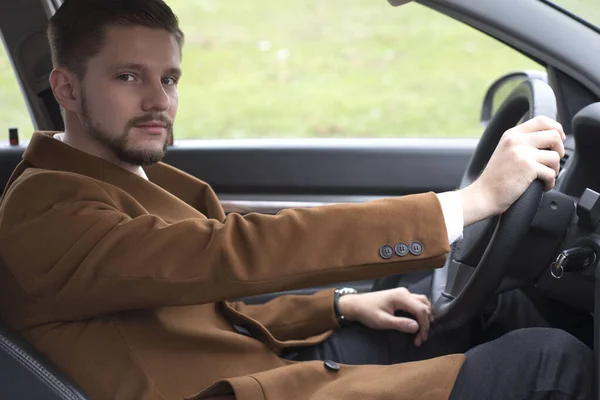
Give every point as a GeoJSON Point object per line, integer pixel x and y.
{"type": "Point", "coordinates": [336, 303]}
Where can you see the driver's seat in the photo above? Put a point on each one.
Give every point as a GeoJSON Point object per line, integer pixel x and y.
{"type": "Point", "coordinates": [26, 374]}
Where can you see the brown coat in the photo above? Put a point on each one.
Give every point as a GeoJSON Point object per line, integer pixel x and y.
{"type": "Point", "coordinates": [123, 282]}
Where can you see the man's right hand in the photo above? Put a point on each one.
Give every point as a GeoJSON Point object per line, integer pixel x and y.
{"type": "Point", "coordinates": [525, 153]}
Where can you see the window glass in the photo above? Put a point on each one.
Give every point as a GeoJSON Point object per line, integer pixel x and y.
{"type": "Point", "coordinates": [317, 68]}
{"type": "Point", "coordinates": [13, 110]}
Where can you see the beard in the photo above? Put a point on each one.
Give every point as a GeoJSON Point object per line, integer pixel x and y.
{"type": "Point", "coordinates": [119, 144]}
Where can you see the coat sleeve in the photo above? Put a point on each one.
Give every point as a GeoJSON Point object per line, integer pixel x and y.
{"type": "Point", "coordinates": [293, 317]}
{"type": "Point", "coordinates": [77, 249]}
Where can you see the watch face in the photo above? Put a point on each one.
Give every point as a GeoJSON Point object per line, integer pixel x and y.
{"type": "Point", "coordinates": [347, 290]}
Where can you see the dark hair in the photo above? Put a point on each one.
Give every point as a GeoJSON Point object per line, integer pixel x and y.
{"type": "Point", "coordinates": [76, 31]}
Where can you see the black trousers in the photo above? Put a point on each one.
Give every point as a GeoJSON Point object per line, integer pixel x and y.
{"type": "Point", "coordinates": [503, 361]}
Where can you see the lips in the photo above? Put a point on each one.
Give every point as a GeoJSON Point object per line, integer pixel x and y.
{"type": "Point", "coordinates": [153, 124]}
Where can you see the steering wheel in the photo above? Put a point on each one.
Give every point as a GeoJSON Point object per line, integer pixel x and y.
{"type": "Point", "coordinates": [476, 264]}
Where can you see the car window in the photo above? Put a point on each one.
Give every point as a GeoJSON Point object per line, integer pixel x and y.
{"type": "Point", "coordinates": [312, 68]}
{"type": "Point", "coordinates": [351, 68]}
{"type": "Point", "coordinates": [13, 110]}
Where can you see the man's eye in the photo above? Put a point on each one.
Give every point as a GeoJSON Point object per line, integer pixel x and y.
{"type": "Point", "coordinates": [126, 77]}
{"type": "Point", "coordinates": [169, 81]}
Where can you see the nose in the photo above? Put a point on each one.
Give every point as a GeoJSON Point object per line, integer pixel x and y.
{"type": "Point", "coordinates": [156, 98]}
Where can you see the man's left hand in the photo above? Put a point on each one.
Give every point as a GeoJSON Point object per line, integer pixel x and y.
{"type": "Point", "coordinates": [376, 310]}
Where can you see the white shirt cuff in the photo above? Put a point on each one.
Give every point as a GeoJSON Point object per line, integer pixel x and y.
{"type": "Point", "coordinates": [453, 215]}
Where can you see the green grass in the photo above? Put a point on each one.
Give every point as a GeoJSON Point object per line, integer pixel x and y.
{"type": "Point", "coordinates": [354, 68]}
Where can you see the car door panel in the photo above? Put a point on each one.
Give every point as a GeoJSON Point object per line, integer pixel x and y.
{"type": "Point", "coordinates": [315, 172]}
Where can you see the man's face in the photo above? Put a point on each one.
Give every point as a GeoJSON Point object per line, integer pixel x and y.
{"type": "Point", "coordinates": [129, 93]}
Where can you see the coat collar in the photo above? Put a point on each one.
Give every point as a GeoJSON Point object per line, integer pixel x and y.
{"type": "Point", "coordinates": [46, 152]}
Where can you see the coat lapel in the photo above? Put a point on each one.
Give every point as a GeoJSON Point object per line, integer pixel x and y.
{"type": "Point", "coordinates": [179, 192]}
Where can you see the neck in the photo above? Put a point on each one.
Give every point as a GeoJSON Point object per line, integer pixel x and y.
{"type": "Point", "coordinates": [77, 137]}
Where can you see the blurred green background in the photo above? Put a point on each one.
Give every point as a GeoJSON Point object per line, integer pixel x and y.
{"type": "Point", "coordinates": [324, 68]}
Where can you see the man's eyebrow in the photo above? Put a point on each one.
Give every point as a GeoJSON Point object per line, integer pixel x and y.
{"type": "Point", "coordinates": [174, 71]}
{"type": "Point", "coordinates": [138, 67]}
{"type": "Point", "coordinates": [142, 67]}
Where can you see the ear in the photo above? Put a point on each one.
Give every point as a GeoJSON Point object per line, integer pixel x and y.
{"type": "Point", "coordinates": [65, 86]}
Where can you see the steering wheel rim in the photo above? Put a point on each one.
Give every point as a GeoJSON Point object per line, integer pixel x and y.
{"type": "Point", "coordinates": [476, 264]}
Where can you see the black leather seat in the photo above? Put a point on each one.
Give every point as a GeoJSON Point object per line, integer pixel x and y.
{"type": "Point", "coordinates": [25, 374]}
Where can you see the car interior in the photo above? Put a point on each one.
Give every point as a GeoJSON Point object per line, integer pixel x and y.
{"type": "Point", "coordinates": [548, 243]}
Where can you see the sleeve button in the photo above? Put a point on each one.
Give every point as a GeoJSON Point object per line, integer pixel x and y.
{"type": "Point", "coordinates": [386, 252]}
{"type": "Point", "coordinates": [416, 248]}
{"type": "Point", "coordinates": [401, 249]}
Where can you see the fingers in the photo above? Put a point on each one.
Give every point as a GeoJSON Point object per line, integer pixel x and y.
{"type": "Point", "coordinates": [526, 152]}
{"type": "Point", "coordinates": [423, 334]}
{"type": "Point", "coordinates": [407, 325]}
{"type": "Point", "coordinates": [425, 300]}
{"type": "Point", "coordinates": [547, 175]}
{"type": "Point", "coordinates": [422, 298]}
{"type": "Point", "coordinates": [418, 306]}
{"type": "Point", "coordinates": [542, 123]}
{"type": "Point", "coordinates": [550, 148]}
{"type": "Point", "coordinates": [550, 159]}
{"type": "Point", "coordinates": [547, 140]}
{"type": "Point", "coordinates": [378, 310]}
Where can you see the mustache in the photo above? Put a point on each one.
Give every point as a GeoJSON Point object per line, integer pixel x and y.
{"type": "Point", "coordinates": [148, 118]}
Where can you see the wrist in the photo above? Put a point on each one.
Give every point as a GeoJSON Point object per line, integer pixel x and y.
{"type": "Point", "coordinates": [345, 307]}
{"type": "Point", "coordinates": [343, 304]}
{"type": "Point", "coordinates": [476, 203]}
